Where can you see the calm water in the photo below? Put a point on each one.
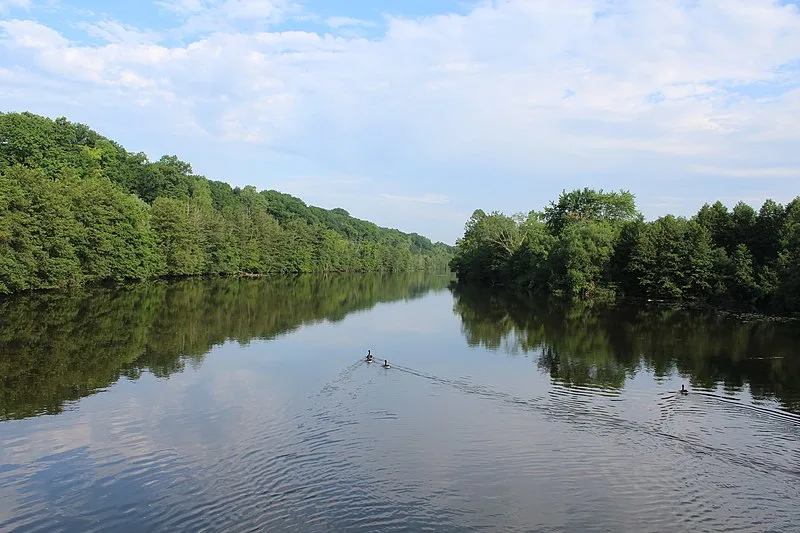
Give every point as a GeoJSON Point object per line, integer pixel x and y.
{"type": "Point", "coordinates": [244, 405]}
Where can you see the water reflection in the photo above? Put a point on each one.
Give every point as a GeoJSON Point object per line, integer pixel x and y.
{"type": "Point", "coordinates": [582, 344]}
{"type": "Point", "coordinates": [299, 433]}
{"type": "Point", "coordinates": [56, 348]}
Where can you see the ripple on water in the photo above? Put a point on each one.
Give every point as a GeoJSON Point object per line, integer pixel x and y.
{"type": "Point", "coordinates": [413, 451]}
{"type": "Point", "coordinates": [681, 430]}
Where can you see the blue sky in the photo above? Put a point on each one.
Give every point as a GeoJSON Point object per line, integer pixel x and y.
{"type": "Point", "coordinates": [413, 114]}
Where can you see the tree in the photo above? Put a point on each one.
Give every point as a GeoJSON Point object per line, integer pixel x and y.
{"type": "Point", "coordinates": [588, 205]}
{"type": "Point", "coordinates": [768, 230]}
{"type": "Point", "coordinates": [743, 226]}
{"type": "Point", "coordinates": [114, 240]}
{"type": "Point", "coordinates": [717, 221]}
{"type": "Point", "coordinates": [581, 256]}
{"type": "Point", "coordinates": [37, 229]}
{"type": "Point", "coordinates": [489, 243]}
{"type": "Point", "coordinates": [529, 266]}
{"type": "Point", "coordinates": [177, 236]}
{"type": "Point", "coordinates": [672, 259]}
{"type": "Point", "coordinates": [787, 295]}
{"type": "Point", "coordinates": [742, 277]}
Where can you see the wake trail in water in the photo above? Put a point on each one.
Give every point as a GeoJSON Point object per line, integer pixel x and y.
{"type": "Point", "coordinates": [576, 405]}
{"type": "Point", "coordinates": [768, 411]}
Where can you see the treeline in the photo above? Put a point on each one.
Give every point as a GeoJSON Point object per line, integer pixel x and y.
{"type": "Point", "coordinates": [76, 207]}
{"type": "Point", "coordinates": [596, 244]}
{"type": "Point", "coordinates": [591, 344]}
{"type": "Point", "coordinates": [63, 346]}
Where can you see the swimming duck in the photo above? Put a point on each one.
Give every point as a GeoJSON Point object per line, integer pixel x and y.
{"type": "Point", "coordinates": [683, 390]}
{"type": "Point", "coordinates": [386, 364]}
{"type": "Point", "coordinates": [369, 356]}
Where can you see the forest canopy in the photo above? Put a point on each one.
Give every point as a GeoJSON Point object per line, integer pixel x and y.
{"type": "Point", "coordinates": [596, 244]}
{"type": "Point", "coordinates": [76, 207]}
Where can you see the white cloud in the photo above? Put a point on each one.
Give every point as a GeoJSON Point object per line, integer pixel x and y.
{"type": "Point", "coordinates": [186, 7]}
{"type": "Point", "coordinates": [341, 22]}
{"type": "Point", "coordinates": [764, 172]}
{"type": "Point", "coordinates": [7, 5]}
{"type": "Point", "coordinates": [115, 32]}
{"type": "Point", "coordinates": [492, 77]}
{"type": "Point", "coordinates": [203, 16]}
{"type": "Point", "coordinates": [29, 34]}
{"type": "Point", "coordinates": [665, 83]}
{"type": "Point", "coordinates": [249, 9]}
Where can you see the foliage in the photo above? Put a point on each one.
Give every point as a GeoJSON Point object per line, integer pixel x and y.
{"type": "Point", "coordinates": [671, 259]}
{"type": "Point", "coordinates": [591, 244]}
{"type": "Point", "coordinates": [588, 205]}
{"type": "Point", "coordinates": [77, 207]}
{"type": "Point", "coordinates": [566, 249]}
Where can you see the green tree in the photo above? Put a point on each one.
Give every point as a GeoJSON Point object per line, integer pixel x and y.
{"type": "Point", "coordinates": [489, 243]}
{"type": "Point", "coordinates": [718, 222]}
{"type": "Point", "coordinates": [742, 277]}
{"type": "Point", "coordinates": [672, 259]}
{"type": "Point", "coordinates": [581, 256]}
{"type": "Point", "coordinates": [177, 236]}
{"type": "Point", "coordinates": [768, 231]}
{"type": "Point", "coordinates": [114, 240]}
{"type": "Point", "coordinates": [787, 296]}
{"type": "Point", "coordinates": [37, 229]}
{"type": "Point", "coordinates": [530, 265]}
{"type": "Point", "coordinates": [589, 205]}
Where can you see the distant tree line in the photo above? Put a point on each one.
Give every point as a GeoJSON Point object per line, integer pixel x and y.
{"type": "Point", "coordinates": [76, 207]}
{"type": "Point", "coordinates": [594, 244]}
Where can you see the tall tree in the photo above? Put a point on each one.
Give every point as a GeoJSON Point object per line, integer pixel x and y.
{"type": "Point", "coordinates": [672, 259]}
{"type": "Point", "coordinates": [589, 205]}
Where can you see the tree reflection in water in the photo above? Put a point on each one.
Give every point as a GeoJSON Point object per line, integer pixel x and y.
{"type": "Point", "coordinates": [593, 344]}
{"type": "Point", "coordinates": [56, 348]}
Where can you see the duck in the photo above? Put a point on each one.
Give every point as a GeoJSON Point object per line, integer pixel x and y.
{"type": "Point", "coordinates": [386, 364]}
{"type": "Point", "coordinates": [683, 390]}
{"type": "Point", "coordinates": [369, 356]}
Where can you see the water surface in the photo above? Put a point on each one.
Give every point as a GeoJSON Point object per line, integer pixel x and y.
{"type": "Point", "coordinates": [245, 405]}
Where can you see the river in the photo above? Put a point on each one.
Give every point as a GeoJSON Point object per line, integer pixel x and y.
{"type": "Point", "coordinates": [246, 405]}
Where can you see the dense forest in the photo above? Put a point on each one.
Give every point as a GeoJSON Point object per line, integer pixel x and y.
{"type": "Point", "coordinates": [62, 346]}
{"type": "Point", "coordinates": [595, 244]}
{"type": "Point", "coordinates": [76, 207]}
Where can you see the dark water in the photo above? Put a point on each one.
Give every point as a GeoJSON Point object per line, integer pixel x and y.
{"type": "Point", "coordinates": [244, 405]}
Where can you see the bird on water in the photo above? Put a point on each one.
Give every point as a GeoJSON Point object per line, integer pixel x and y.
{"type": "Point", "coordinates": [369, 356]}
{"type": "Point", "coordinates": [683, 390]}
{"type": "Point", "coordinates": [386, 364]}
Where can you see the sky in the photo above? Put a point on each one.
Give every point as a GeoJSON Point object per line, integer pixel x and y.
{"type": "Point", "coordinates": [414, 113]}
